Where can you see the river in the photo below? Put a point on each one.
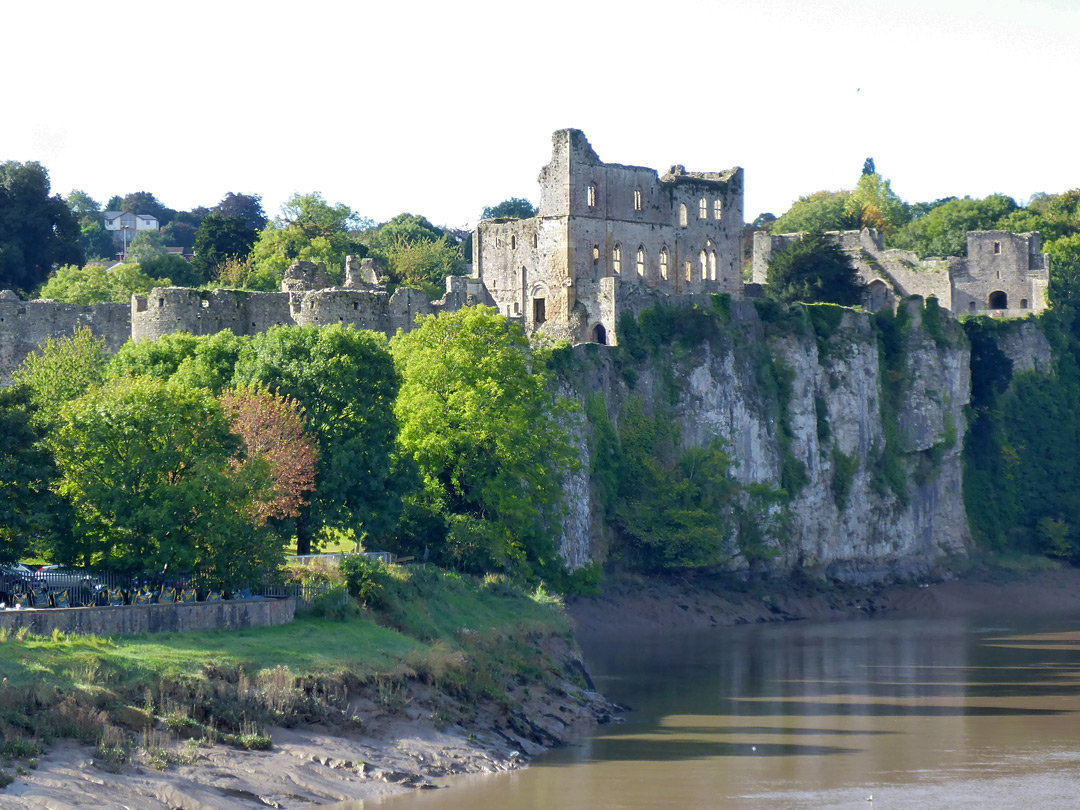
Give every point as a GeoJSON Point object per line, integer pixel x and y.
{"type": "Point", "coordinates": [913, 713]}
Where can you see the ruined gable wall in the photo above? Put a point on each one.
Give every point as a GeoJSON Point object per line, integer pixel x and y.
{"type": "Point", "coordinates": [26, 325]}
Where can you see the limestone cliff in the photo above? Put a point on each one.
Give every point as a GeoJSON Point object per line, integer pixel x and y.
{"type": "Point", "coordinates": [878, 438]}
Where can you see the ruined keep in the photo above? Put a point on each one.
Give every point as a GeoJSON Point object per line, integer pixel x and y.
{"type": "Point", "coordinates": [609, 238]}
{"type": "Point", "coordinates": [1003, 275]}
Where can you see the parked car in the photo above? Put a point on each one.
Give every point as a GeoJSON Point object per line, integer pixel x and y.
{"type": "Point", "coordinates": [56, 576]}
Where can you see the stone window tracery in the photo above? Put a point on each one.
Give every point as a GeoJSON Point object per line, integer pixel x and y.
{"type": "Point", "coordinates": [637, 199]}
{"type": "Point", "coordinates": [703, 208]}
{"type": "Point", "coordinates": [717, 209]}
{"type": "Point", "coordinates": [592, 196]}
{"type": "Point", "coordinates": [664, 263]}
{"type": "Point", "coordinates": [641, 260]}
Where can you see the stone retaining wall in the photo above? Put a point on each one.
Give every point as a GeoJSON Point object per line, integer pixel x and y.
{"type": "Point", "coordinates": [130, 620]}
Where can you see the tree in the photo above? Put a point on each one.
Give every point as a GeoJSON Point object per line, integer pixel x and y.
{"type": "Point", "coordinates": [150, 469]}
{"type": "Point", "coordinates": [93, 284]}
{"type": "Point", "coordinates": [273, 429]}
{"type": "Point", "coordinates": [346, 382]}
{"type": "Point", "coordinates": [96, 242]}
{"type": "Point", "coordinates": [489, 435]}
{"type": "Point", "coordinates": [873, 204]}
{"type": "Point", "coordinates": [146, 245]}
{"type": "Point", "coordinates": [179, 234]}
{"type": "Point", "coordinates": [115, 202]}
{"type": "Point", "coordinates": [308, 229]}
{"type": "Point", "coordinates": [27, 507]}
{"type": "Point", "coordinates": [36, 230]}
{"type": "Point", "coordinates": [407, 228]}
{"type": "Point", "coordinates": [63, 369]}
{"type": "Point", "coordinates": [221, 238]}
{"type": "Point", "coordinates": [197, 361]}
{"type": "Point", "coordinates": [813, 269]}
{"type": "Point", "coordinates": [168, 269]}
{"type": "Point", "coordinates": [1065, 270]}
{"type": "Point", "coordinates": [514, 208]}
{"type": "Point", "coordinates": [816, 213]}
{"type": "Point", "coordinates": [942, 231]}
{"type": "Point", "coordinates": [82, 205]}
{"type": "Point", "coordinates": [246, 206]}
{"type": "Point", "coordinates": [868, 167]}
{"type": "Point", "coordinates": [424, 263]}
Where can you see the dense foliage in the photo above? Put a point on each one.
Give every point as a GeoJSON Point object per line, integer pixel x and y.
{"type": "Point", "coordinates": [814, 270]}
{"type": "Point", "coordinates": [480, 421]}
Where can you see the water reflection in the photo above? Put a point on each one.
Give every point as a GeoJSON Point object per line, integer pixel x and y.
{"type": "Point", "coordinates": [921, 714]}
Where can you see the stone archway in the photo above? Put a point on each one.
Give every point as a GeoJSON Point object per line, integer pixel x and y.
{"type": "Point", "coordinates": [998, 299]}
{"type": "Point", "coordinates": [599, 335]}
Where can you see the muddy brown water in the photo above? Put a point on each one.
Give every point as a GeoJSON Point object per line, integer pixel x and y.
{"type": "Point", "coordinates": [915, 713]}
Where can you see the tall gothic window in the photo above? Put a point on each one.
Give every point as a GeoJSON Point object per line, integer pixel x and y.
{"type": "Point", "coordinates": [703, 208]}
{"type": "Point", "coordinates": [664, 263]}
{"type": "Point", "coordinates": [641, 260]}
{"type": "Point", "coordinates": [592, 196]}
{"type": "Point", "coordinates": [637, 199]}
{"type": "Point", "coordinates": [682, 215]}
{"type": "Point", "coordinates": [712, 266]}
{"type": "Point", "coordinates": [717, 209]}
{"type": "Point", "coordinates": [704, 260]}
{"type": "Point", "coordinates": [616, 258]}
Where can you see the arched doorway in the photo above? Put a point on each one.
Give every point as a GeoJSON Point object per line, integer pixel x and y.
{"type": "Point", "coordinates": [998, 300]}
{"type": "Point", "coordinates": [877, 295]}
{"type": "Point", "coordinates": [600, 334]}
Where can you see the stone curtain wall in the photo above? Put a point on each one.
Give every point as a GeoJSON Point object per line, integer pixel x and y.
{"type": "Point", "coordinates": [131, 620]}
{"type": "Point", "coordinates": [26, 325]}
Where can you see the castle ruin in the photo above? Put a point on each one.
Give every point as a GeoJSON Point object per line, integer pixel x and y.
{"type": "Point", "coordinates": [609, 240]}
{"type": "Point", "coordinates": [1003, 275]}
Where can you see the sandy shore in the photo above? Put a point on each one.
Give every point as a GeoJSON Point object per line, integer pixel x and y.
{"type": "Point", "coordinates": [417, 743]}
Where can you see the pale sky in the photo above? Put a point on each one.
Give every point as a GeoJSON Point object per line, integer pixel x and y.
{"type": "Point", "coordinates": [441, 108]}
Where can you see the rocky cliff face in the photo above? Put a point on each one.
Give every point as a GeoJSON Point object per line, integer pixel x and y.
{"type": "Point", "coordinates": [848, 415]}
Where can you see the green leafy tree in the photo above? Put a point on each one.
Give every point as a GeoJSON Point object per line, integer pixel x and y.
{"type": "Point", "coordinates": [36, 230]}
{"type": "Point", "coordinates": [83, 206]}
{"type": "Point", "coordinates": [219, 239]}
{"type": "Point", "coordinates": [424, 263]}
{"type": "Point", "coordinates": [1065, 270]}
{"type": "Point", "coordinates": [873, 204]}
{"type": "Point", "coordinates": [96, 242]}
{"type": "Point", "coordinates": [149, 468]}
{"type": "Point", "coordinates": [308, 229]}
{"type": "Point", "coordinates": [114, 203]}
{"type": "Point", "coordinates": [514, 208]}
{"type": "Point", "coordinates": [816, 213]}
{"type": "Point", "coordinates": [484, 426]}
{"type": "Point", "coordinates": [407, 228]}
{"type": "Point", "coordinates": [93, 284]}
{"type": "Point", "coordinates": [346, 382]}
{"type": "Point", "coordinates": [198, 361]}
{"type": "Point", "coordinates": [179, 234]}
{"type": "Point", "coordinates": [146, 245]}
{"type": "Point", "coordinates": [64, 369]}
{"type": "Point", "coordinates": [169, 269]}
{"type": "Point", "coordinates": [943, 230]}
{"type": "Point", "coordinates": [28, 509]}
{"type": "Point", "coordinates": [813, 269]}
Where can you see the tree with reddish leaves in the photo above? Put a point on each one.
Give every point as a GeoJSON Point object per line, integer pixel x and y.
{"type": "Point", "coordinates": [273, 429]}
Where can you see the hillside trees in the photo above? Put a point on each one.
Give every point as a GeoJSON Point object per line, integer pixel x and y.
{"type": "Point", "coordinates": [219, 239]}
{"type": "Point", "coordinates": [36, 230]}
{"type": "Point", "coordinates": [489, 437]}
{"type": "Point", "coordinates": [346, 382]}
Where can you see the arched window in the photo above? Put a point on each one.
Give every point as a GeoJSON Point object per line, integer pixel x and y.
{"type": "Point", "coordinates": [595, 254]}
{"type": "Point", "coordinates": [513, 242]}
{"type": "Point", "coordinates": [971, 306]}
{"type": "Point", "coordinates": [535, 240]}
{"type": "Point", "coordinates": [591, 196]}
{"type": "Point", "coordinates": [703, 208]}
{"type": "Point", "coordinates": [664, 263]}
{"type": "Point", "coordinates": [637, 199]}
{"type": "Point", "coordinates": [682, 215]}
{"type": "Point", "coordinates": [641, 260]}
{"type": "Point", "coordinates": [712, 266]}
{"type": "Point", "coordinates": [704, 259]}
{"type": "Point", "coordinates": [717, 209]}
{"type": "Point", "coordinates": [998, 300]}
{"type": "Point", "coordinates": [1023, 303]}
{"type": "Point", "coordinates": [616, 259]}
{"type": "Point", "coordinates": [689, 270]}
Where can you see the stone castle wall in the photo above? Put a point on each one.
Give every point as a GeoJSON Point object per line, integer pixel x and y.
{"type": "Point", "coordinates": [1004, 274]}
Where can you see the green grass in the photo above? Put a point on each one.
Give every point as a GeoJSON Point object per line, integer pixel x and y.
{"type": "Point", "coordinates": [469, 637]}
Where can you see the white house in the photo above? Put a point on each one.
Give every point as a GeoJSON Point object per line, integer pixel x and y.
{"type": "Point", "coordinates": [123, 221]}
